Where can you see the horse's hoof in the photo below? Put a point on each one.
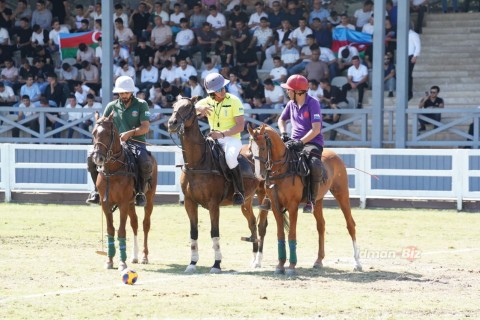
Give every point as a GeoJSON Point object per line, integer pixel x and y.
{"type": "Point", "coordinates": [145, 260]}
{"type": "Point", "coordinates": [256, 265]}
{"type": "Point", "coordinates": [108, 265]}
{"type": "Point", "coordinates": [215, 270]}
{"type": "Point", "coordinates": [279, 271]}
{"type": "Point", "coordinates": [135, 260]}
{"type": "Point", "coordinates": [191, 268]}
{"type": "Point", "coordinates": [122, 266]}
{"type": "Point", "coordinates": [291, 272]}
{"type": "Point", "coordinates": [358, 267]}
{"type": "Point", "coordinates": [317, 265]}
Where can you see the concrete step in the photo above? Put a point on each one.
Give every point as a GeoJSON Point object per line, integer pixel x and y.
{"type": "Point", "coordinates": [453, 16]}
{"type": "Point", "coordinates": [430, 81]}
{"type": "Point", "coordinates": [448, 42]}
{"type": "Point", "coordinates": [430, 55]}
{"type": "Point", "coordinates": [445, 74]}
{"type": "Point", "coordinates": [461, 66]}
{"type": "Point", "coordinates": [472, 48]}
{"type": "Point", "coordinates": [449, 24]}
{"type": "Point", "coordinates": [463, 31]}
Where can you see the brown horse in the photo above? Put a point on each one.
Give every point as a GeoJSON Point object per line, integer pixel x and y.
{"type": "Point", "coordinates": [116, 185]}
{"type": "Point", "coordinates": [203, 184]}
{"type": "Point", "coordinates": [285, 190]}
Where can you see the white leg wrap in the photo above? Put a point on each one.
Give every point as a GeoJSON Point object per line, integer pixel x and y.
{"type": "Point", "coordinates": [194, 248]}
{"type": "Point", "coordinates": [135, 248]}
{"type": "Point", "coordinates": [356, 256]}
{"type": "Point", "coordinates": [216, 248]}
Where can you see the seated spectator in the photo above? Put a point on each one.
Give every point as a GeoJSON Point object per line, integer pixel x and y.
{"type": "Point", "coordinates": [294, 13]}
{"type": "Point", "coordinates": [30, 89]}
{"type": "Point", "coordinates": [255, 18]}
{"type": "Point", "coordinates": [124, 35]}
{"type": "Point", "coordinates": [119, 54]}
{"type": "Point", "coordinates": [53, 91]}
{"type": "Point", "coordinates": [42, 53]}
{"type": "Point", "coordinates": [42, 15]}
{"type": "Point", "coordinates": [327, 56]}
{"type": "Point", "coordinates": [290, 55]}
{"type": "Point", "coordinates": [314, 89]}
{"type": "Point", "coordinates": [357, 79]}
{"type": "Point", "coordinates": [185, 38]}
{"type": "Point", "coordinates": [9, 74]}
{"type": "Point", "coordinates": [299, 35]}
{"type": "Point", "coordinates": [253, 89]}
{"type": "Point", "coordinates": [363, 15]}
{"type": "Point", "coordinates": [169, 94]}
{"type": "Point", "coordinates": [168, 72]}
{"type": "Point", "coordinates": [80, 14]}
{"type": "Point", "coordinates": [25, 70]}
{"type": "Point", "coordinates": [368, 27]}
{"type": "Point", "coordinates": [276, 15]}
{"type": "Point", "coordinates": [22, 11]}
{"type": "Point", "coordinates": [85, 53]}
{"type": "Point", "coordinates": [98, 54]}
{"type": "Point", "coordinates": [258, 102]}
{"type": "Point", "coordinates": [71, 104]}
{"type": "Point", "coordinates": [175, 18]}
{"type": "Point", "coordinates": [389, 75]}
{"type": "Point", "coordinates": [234, 87]}
{"type": "Point", "coordinates": [316, 69]}
{"type": "Point", "coordinates": [81, 92]}
{"type": "Point", "coordinates": [50, 118]}
{"type": "Point", "coordinates": [161, 35]}
{"type": "Point", "coordinates": [197, 18]}
{"type": "Point", "coordinates": [7, 96]}
{"type": "Point", "coordinates": [431, 100]}
{"type": "Point", "coordinates": [124, 70]}
{"type": "Point", "coordinates": [90, 108]}
{"type": "Point", "coordinates": [140, 20]}
{"type": "Point", "coordinates": [182, 73]}
{"type": "Point", "coordinates": [23, 114]}
{"type": "Point", "coordinates": [155, 93]}
{"type": "Point", "coordinates": [5, 43]}
{"type": "Point", "coordinates": [69, 75]}
{"type": "Point", "coordinates": [154, 116]}
{"type": "Point", "coordinates": [262, 38]}
{"type": "Point", "coordinates": [148, 76]}
{"type": "Point", "coordinates": [206, 38]}
{"type": "Point", "coordinates": [305, 56]}
{"type": "Point", "coordinates": [195, 87]}
{"type": "Point", "coordinates": [274, 95]}
{"type": "Point", "coordinates": [43, 71]}
{"type": "Point", "coordinates": [278, 73]}
{"type": "Point", "coordinates": [237, 15]}
{"type": "Point", "coordinates": [345, 56]}
{"type": "Point", "coordinates": [209, 68]}
{"type": "Point", "coordinates": [90, 76]}
{"type": "Point", "coordinates": [159, 12]}
{"type": "Point", "coordinates": [333, 98]}
{"type": "Point", "coordinates": [39, 36]}
{"type": "Point", "coordinates": [217, 20]}
{"type": "Point", "coordinates": [318, 12]}
{"type": "Point", "coordinates": [143, 54]}
{"type": "Point", "coordinates": [223, 54]}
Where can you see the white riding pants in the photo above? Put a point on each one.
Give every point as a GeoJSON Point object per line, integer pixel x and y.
{"type": "Point", "coordinates": [231, 146]}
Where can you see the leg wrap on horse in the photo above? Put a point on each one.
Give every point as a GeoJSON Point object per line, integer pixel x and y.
{"type": "Point", "coordinates": [122, 245]}
{"type": "Point", "coordinates": [111, 246]}
{"type": "Point", "coordinates": [282, 250]}
{"type": "Point", "coordinates": [292, 245]}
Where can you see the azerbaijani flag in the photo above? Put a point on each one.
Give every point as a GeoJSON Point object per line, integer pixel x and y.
{"type": "Point", "coordinates": [344, 36]}
{"type": "Point", "coordinates": [69, 42]}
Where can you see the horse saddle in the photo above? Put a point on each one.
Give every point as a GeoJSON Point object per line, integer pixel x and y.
{"type": "Point", "coordinates": [220, 164]}
{"type": "Point", "coordinates": [131, 164]}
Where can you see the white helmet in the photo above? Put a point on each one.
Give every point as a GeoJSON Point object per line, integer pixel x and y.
{"type": "Point", "coordinates": [214, 82]}
{"type": "Point", "coordinates": [124, 84]}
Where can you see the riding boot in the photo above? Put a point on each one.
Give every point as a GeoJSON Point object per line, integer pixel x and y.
{"type": "Point", "coordinates": [140, 198]}
{"type": "Point", "coordinates": [238, 195]}
{"type": "Point", "coordinates": [315, 180]}
{"type": "Point", "coordinates": [314, 185]}
{"type": "Point", "coordinates": [93, 197]}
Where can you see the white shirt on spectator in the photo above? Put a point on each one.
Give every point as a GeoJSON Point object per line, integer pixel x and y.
{"type": "Point", "coordinates": [301, 36]}
{"type": "Point", "coordinates": [357, 74]}
{"type": "Point", "coordinates": [206, 72]}
{"type": "Point", "coordinates": [168, 75]}
{"type": "Point", "coordinates": [317, 94]}
{"type": "Point", "coordinates": [414, 44]}
{"type": "Point", "coordinates": [96, 106]}
{"type": "Point", "coordinates": [129, 72]}
{"type": "Point", "coordinates": [255, 18]}
{"type": "Point", "coordinates": [276, 96]}
{"type": "Point", "coordinates": [54, 35]}
{"type": "Point", "coordinates": [7, 93]}
{"type": "Point", "coordinates": [184, 74]}
{"type": "Point", "coordinates": [82, 96]}
{"type": "Point", "coordinates": [149, 75]}
{"type": "Point", "coordinates": [362, 17]}
{"type": "Point", "coordinates": [277, 73]}
{"type": "Point", "coordinates": [184, 37]}
{"type": "Point", "coordinates": [72, 116]}
{"type": "Point", "coordinates": [218, 21]}
{"type": "Point", "coordinates": [197, 91]}
{"type": "Point", "coordinates": [326, 54]}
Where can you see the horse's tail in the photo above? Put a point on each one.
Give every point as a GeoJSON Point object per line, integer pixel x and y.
{"type": "Point", "coordinates": [286, 220]}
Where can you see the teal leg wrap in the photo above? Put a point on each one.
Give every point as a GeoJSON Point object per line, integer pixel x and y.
{"type": "Point", "coordinates": [122, 244]}
{"type": "Point", "coordinates": [282, 252]}
{"type": "Point", "coordinates": [111, 246]}
{"type": "Point", "coordinates": [292, 245]}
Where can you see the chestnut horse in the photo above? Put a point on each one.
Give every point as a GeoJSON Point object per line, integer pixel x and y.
{"type": "Point", "coordinates": [203, 184]}
{"type": "Point", "coordinates": [116, 185]}
{"type": "Point", "coordinates": [285, 191]}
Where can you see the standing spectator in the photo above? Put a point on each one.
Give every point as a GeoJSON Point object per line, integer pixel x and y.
{"type": "Point", "coordinates": [420, 7]}
{"type": "Point", "coordinates": [148, 76]}
{"type": "Point", "coordinates": [362, 15]}
{"type": "Point", "coordinates": [59, 10]}
{"type": "Point", "coordinates": [389, 75]}
{"type": "Point", "coordinates": [206, 38]}
{"type": "Point", "coordinates": [42, 16]}
{"type": "Point", "coordinates": [54, 91]}
{"type": "Point", "coordinates": [414, 49]}
{"type": "Point", "coordinates": [357, 79]}
{"type": "Point", "coordinates": [317, 69]}
{"type": "Point", "coordinates": [143, 54]}
{"type": "Point", "coordinates": [255, 18]}
{"type": "Point", "coordinates": [90, 108]}
{"type": "Point", "coordinates": [431, 100]}
{"type": "Point", "coordinates": [140, 20]}
{"type": "Point", "coordinates": [90, 76]}
{"type": "Point", "coordinates": [71, 103]}
{"type": "Point", "coordinates": [217, 20]}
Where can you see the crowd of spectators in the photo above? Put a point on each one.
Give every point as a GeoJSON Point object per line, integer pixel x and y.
{"type": "Point", "coordinates": [168, 48]}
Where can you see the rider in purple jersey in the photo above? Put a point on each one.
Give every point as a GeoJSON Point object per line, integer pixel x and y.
{"type": "Point", "coordinates": [305, 115]}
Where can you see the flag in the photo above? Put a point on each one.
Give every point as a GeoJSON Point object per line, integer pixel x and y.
{"type": "Point", "coordinates": [344, 36]}
{"type": "Point", "coordinates": [69, 42]}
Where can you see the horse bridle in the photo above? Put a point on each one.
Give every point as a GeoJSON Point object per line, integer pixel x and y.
{"type": "Point", "coordinates": [189, 115]}
{"type": "Point", "coordinates": [109, 154]}
{"type": "Point", "coordinates": [268, 162]}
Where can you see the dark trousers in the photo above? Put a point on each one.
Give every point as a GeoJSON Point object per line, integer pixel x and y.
{"type": "Point", "coordinates": [410, 77]}
{"type": "Point", "coordinates": [434, 116]}
{"type": "Point", "coordinates": [360, 88]}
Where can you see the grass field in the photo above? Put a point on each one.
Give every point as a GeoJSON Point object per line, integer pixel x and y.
{"type": "Point", "coordinates": [49, 268]}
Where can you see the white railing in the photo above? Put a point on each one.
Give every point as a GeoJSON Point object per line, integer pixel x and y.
{"type": "Point", "coordinates": [403, 174]}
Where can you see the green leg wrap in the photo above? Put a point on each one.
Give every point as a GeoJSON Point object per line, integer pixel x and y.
{"type": "Point", "coordinates": [282, 252]}
{"type": "Point", "coordinates": [292, 244]}
{"type": "Point", "coordinates": [122, 244]}
{"type": "Point", "coordinates": [111, 246]}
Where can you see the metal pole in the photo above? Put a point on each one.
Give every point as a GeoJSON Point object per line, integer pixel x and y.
{"type": "Point", "coordinates": [107, 51]}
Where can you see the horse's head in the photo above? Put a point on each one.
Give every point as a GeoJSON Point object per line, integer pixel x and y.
{"type": "Point", "coordinates": [183, 115]}
{"type": "Point", "coordinates": [105, 137]}
{"type": "Point", "coordinates": [267, 148]}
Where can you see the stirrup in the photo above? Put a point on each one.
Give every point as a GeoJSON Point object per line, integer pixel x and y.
{"type": "Point", "coordinates": [140, 199]}
{"type": "Point", "coordinates": [308, 208]}
{"type": "Point", "coordinates": [238, 199]}
{"type": "Point", "coordinates": [93, 198]}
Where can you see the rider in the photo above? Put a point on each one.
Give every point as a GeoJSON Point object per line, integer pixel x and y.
{"type": "Point", "coordinates": [305, 115]}
{"type": "Point", "coordinates": [131, 118]}
{"type": "Point", "coordinates": [225, 117]}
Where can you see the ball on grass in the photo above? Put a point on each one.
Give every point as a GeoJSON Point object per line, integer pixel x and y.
{"type": "Point", "coordinates": [129, 276]}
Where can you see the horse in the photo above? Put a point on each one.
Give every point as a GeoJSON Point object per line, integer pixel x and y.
{"type": "Point", "coordinates": [203, 184]}
{"type": "Point", "coordinates": [285, 190]}
{"type": "Point", "coordinates": [116, 186]}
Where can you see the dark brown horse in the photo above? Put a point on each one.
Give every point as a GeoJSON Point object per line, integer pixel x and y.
{"type": "Point", "coordinates": [203, 184]}
{"type": "Point", "coordinates": [116, 185]}
{"type": "Point", "coordinates": [285, 191]}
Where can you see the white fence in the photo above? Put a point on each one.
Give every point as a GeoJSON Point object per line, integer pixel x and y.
{"type": "Point", "coordinates": [411, 174]}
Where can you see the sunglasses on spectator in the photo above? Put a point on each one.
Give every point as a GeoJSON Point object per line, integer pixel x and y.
{"type": "Point", "coordinates": [433, 92]}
